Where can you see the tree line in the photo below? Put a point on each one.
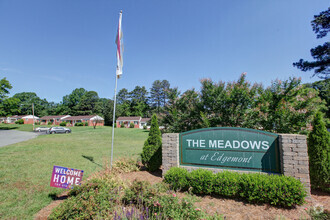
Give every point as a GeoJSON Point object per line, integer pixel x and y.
{"type": "Point", "coordinates": [138, 102]}
{"type": "Point", "coordinates": [283, 107]}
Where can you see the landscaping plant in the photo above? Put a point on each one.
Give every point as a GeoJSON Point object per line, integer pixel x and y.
{"type": "Point", "coordinates": [276, 190]}
{"type": "Point", "coordinates": [105, 197]}
{"type": "Point", "coordinates": [319, 154]}
{"type": "Point", "coordinates": [151, 155]}
{"type": "Point", "coordinates": [20, 121]}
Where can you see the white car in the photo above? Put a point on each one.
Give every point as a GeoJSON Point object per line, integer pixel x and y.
{"type": "Point", "coordinates": [42, 129]}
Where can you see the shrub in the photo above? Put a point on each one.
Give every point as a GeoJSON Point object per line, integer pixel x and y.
{"type": "Point", "coordinates": [115, 125]}
{"type": "Point", "coordinates": [131, 125]}
{"type": "Point", "coordinates": [122, 125]}
{"type": "Point", "coordinates": [276, 190]}
{"type": "Point", "coordinates": [50, 123]}
{"type": "Point", "coordinates": [86, 123]}
{"type": "Point", "coordinates": [20, 121]}
{"type": "Point", "coordinates": [145, 127]}
{"type": "Point", "coordinates": [63, 123]}
{"type": "Point", "coordinates": [107, 198]}
{"type": "Point", "coordinates": [226, 184]}
{"type": "Point", "coordinates": [319, 154]}
{"type": "Point", "coordinates": [177, 177]}
{"type": "Point", "coordinates": [95, 198]}
{"type": "Point", "coordinates": [79, 124]}
{"type": "Point", "coordinates": [201, 181]}
{"type": "Point", "coordinates": [37, 123]}
{"type": "Point", "coordinates": [152, 150]}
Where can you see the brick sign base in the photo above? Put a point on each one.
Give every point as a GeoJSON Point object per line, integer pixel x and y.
{"type": "Point", "coordinates": [293, 156]}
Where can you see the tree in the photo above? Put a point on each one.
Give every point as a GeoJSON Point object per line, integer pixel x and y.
{"type": "Point", "coordinates": [72, 100]}
{"type": "Point", "coordinates": [321, 53]}
{"type": "Point", "coordinates": [158, 93]}
{"type": "Point", "coordinates": [228, 105]}
{"type": "Point", "coordinates": [152, 150]}
{"type": "Point", "coordinates": [139, 101]}
{"type": "Point", "coordinates": [97, 120]}
{"type": "Point", "coordinates": [122, 96]}
{"type": "Point", "coordinates": [9, 107]}
{"type": "Point", "coordinates": [4, 88]}
{"type": "Point", "coordinates": [88, 104]}
{"type": "Point", "coordinates": [319, 154]}
{"type": "Point", "coordinates": [26, 100]}
{"type": "Point", "coordinates": [286, 107]}
{"type": "Point", "coordinates": [106, 110]}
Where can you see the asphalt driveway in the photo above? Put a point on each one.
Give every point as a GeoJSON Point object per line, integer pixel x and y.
{"type": "Point", "coordinates": [8, 137]}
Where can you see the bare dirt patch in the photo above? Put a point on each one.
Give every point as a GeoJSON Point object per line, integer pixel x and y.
{"type": "Point", "coordinates": [229, 208]}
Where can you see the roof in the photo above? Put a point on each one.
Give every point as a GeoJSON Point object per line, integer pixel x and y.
{"type": "Point", "coordinates": [133, 118]}
{"type": "Point", "coordinates": [53, 116]}
{"type": "Point", "coordinates": [80, 117]}
{"type": "Point", "coordinates": [145, 119]}
{"type": "Point", "coordinates": [17, 116]}
{"type": "Point", "coordinates": [30, 116]}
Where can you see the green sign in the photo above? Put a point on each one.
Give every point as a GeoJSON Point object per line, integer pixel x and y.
{"type": "Point", "coordinates": [230, 148]}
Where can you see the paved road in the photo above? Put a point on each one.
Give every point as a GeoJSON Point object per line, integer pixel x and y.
{"type": "Point", "coordinates": [11, 136]}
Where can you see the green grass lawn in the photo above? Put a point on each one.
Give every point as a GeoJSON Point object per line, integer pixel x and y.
{"type": "Point", "coordinates": [26, 167]}
{"type": "Point", "coordinates": [27, 127]}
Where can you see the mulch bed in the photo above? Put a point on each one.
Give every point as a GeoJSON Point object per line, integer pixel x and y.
{"type": "Point", "coordinates": [229, 208]}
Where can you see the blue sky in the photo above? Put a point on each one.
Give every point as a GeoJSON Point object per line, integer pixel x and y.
{"type": "Point", "coordinates": [51, 47]}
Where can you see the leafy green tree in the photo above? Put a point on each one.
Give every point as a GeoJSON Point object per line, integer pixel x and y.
{"type": "Point", "coordinates": [9, 107]}
{"type": "Point", "coordinates": [26, 100]}
{"type": "Point", "coordinates": [228, 105]}
{"type": "Point", "coordinates": [88, 104]}
{"type": "Point", "coordinates": [319, 154]}
{"type": "Point", "coordinates": [152, 150]}
{"type": "Point", "coordinates": [106, 108]}
{"type": "Point", "coordinates": [323, 87]}
{"type": "Point", "coordinates": [4, 88]}
{"type": "Point", "coordinates": [139, 101]}
{"type": "Point", "coordinates": [122, 96]}
{"type": "Point", "coordinates": [72, 101]}
{"type": "Point", "coordinates": [321, 53]}
{"type": "Point", "coordinates": [287, 107]}
{"type": "Point", "coordinates": [184, 113]}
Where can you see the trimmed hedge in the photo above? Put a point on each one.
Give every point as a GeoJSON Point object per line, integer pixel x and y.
{"type": "Point", "coordinates": [276, 190]}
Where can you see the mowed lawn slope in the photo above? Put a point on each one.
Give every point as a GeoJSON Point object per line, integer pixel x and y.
{"type": "Point", "coordinates": [26, 167]}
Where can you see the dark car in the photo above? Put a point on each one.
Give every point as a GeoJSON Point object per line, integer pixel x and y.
{"type": "Point", "coordinates": [59, 130]}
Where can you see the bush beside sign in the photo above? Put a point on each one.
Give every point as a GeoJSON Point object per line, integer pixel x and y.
{"type": "Point", "coordinates": [230, 148]}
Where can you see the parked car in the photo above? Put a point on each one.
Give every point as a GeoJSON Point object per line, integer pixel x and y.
{"type": "Point", "coordinates": [59, 130]}
{"type": "Point", "coordinates": [42, 129]}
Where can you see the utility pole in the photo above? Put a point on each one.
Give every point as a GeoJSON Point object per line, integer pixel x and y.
{"type": "Point", "coordinates": [33, 114]}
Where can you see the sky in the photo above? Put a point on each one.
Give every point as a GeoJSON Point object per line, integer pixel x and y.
{"type": "Point", "coordinates": [52, 47]}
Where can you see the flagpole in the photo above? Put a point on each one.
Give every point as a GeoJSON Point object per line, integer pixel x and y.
{"type": "Point", "coordinates": [113, 123]}
{"type": "Point", "coordinates": [119, 71]}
